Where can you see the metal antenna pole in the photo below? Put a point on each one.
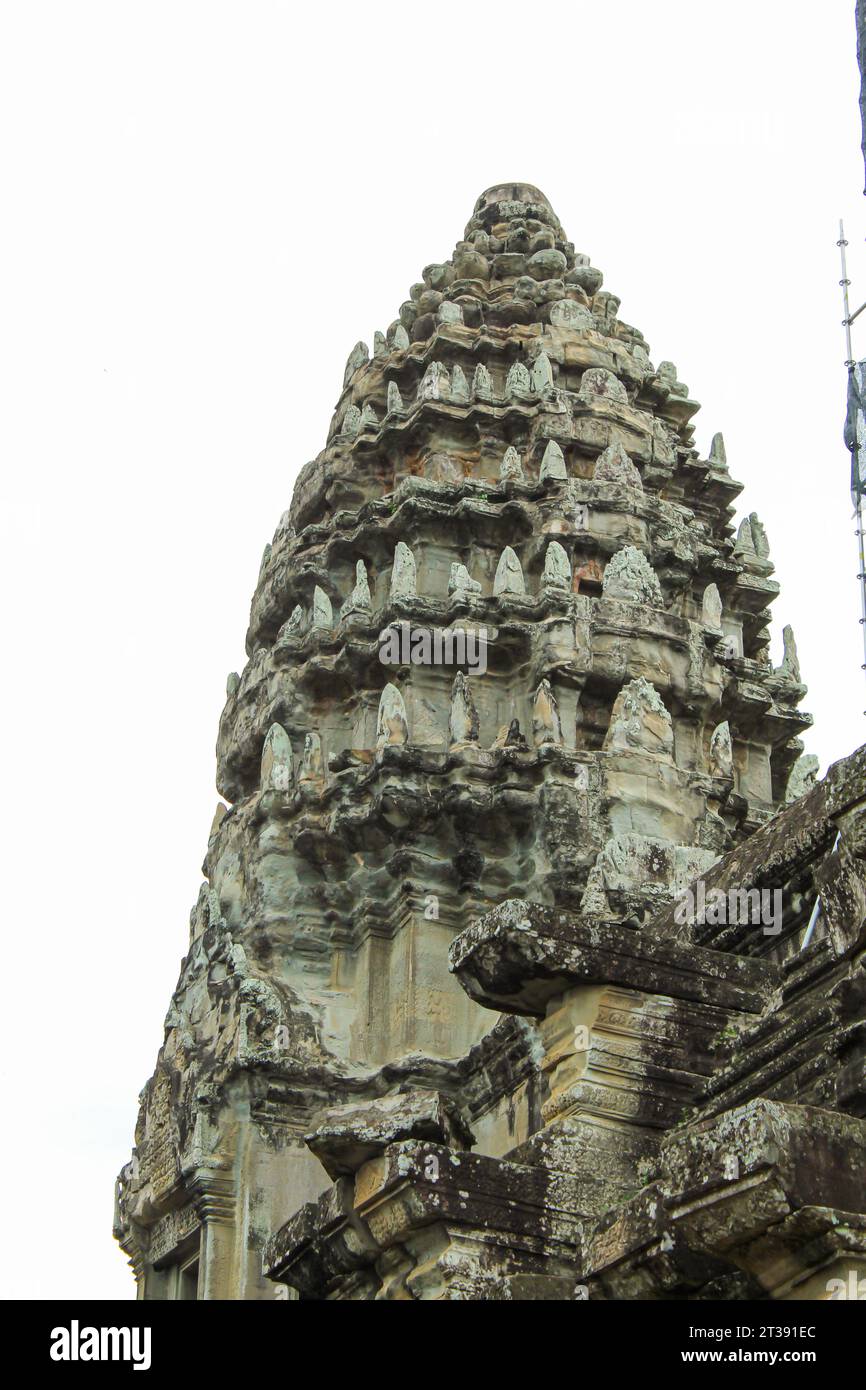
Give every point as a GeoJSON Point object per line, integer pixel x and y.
{"type": "Point", "coordinates": [845, 282]}
{"type": "Point", "coordinates": [849, 363]}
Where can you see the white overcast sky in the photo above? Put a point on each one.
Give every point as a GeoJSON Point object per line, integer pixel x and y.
{"type": "Point", "coordinates": [205, 206]}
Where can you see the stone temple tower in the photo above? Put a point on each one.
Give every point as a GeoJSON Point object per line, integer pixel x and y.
{"type": "Point", "coordinates": [507, 466]}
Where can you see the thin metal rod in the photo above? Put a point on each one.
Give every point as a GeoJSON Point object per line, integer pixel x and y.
{"type": "Point", "coordinates": [849, 363]}
{"type": "Point", "coordinates": [845, 282]}
{"type": "Point", "coordinates": [862, 576]}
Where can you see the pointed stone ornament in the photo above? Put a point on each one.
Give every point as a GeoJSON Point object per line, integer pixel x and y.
{"type": "Point", "coordinates": [546, 724]}
{"type": "Point", "coordinates": [404, 582]}
{"type": "Point", "coordinates": [511, 469]}
{"type": "Point", "coordinates": [759, 537]}
{"type": "Point", "coordinates": [434, 384]}
{"type": "Point", "coordinates": [721, 751]}
{"type": "Point", "coordinates": [517, 382]}
{"type": "Point", "coordinates": [394, 400]}
{"type": "Point", "coordinates": [460, 581]}
{"type": "Point", "coordinates": [639, 722]}
{"type": "Point", "coordinates": [744, 546]}
{"type": "Point", "coordinates": [448, 312]}
{"type": "Point", "coordinates": [542, 374]}
{"type": "Point", "coordinates": [510, 736]}
{"type": "Point", "coordinates": [615, 466]}
{"type": "Point", "coordinates": [790, 666]}
{"type": "Point", "coordinates": [630, 576]}
{"type": "Point", "coordinates": [553, 464]}
{"type": "Point", "coordinates": [599, 384]}
{"type": "Point", "coordinates": [359, 600]}
{"type": "Point", "coordinates": [482, 386]}
{"type": "Point", "coordinates": [392, 726]}
{"type": "Point", "coordinates": [400, 340]}
{"type": "Point", "coordinates": [718, 457]}
{"type": "Point", "coordinates": [358, 357]}
{"type": "Point", "coordinates": [369, 418]}
{"type": "Point", "coordinates": [293, 624]}
{"type": "Point", "coordinates": [463, 717]}
{"type": "Point", "coordinates": [323, 613]}
{"type": "Point", "coordinates": [459, 386]}
{"type": "Point", "coordinates": [312, 762]}
{"type": "Point", "coordinates": [276, 773]}
{"type": "Point", "coordinates": [711, 609]}
{"type": "Point", "coordinates": [567, 313]}
{"type": "Point", "coordinates": [509, 574]}
{"type": "Point", "coordinates": [557, 568]}
{"type": "Point", "coordinates": [351, 421]}
{"type": "Point", "coordinates": [380, 344]}
{"type": "Point", "coordinates": [802, 778]}
{"type": "Point", "coordinates": [233, 680]}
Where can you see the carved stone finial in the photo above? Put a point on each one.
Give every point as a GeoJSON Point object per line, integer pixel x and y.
{"type": "Point", "coordinates": [546, 723]}
{"type": "Point", "coordinates": [460, 580]}
{"type": "Point", "coordinates": [400, 339]}
{"type": "Point", "coordinates": [744, 546]}
{"type": "Point", "coordinates": [393, 399]}
{"type": "Point", "coordinates": [404, 581]}
{"type": "Point", "coordinates": [759, 537]}
{"type": "Point", "coordinates": [482, 386]}
{"type": "Point", "coordinates": [276, 772]}
{"type": "Point", "coordinates": [392, 726]}
{"type": "Point", "coordinates": [790, 666]}
{"type": "Point", "coordinates": [358, 357]}
{"type": "Point", "coordinates": [449, 312]}
{"type": "Point", "coordinates": [639, 721]}
{"type": "Point", "coordinates": [323, 613]}
{"type": "Point", "coordinates": [711, 609]}
{"type": "Point", "coordinates": [567, 313]}
{"type": "Point", "coordinates": [557, 568]}
{"type": "Point", "coordinates": [721, 751]}
{"type": "Point", "coordinates": [751, 545]}
{"type": "Point", "coordinates": [233, 680]}
{"type": "Point", "coordinates": [553, 463]}
{"type": "Point", "coordinates": [629, 575]}
{"type": "Point", "coordinates": [434, 384]}
{"type": "Point", "coordinates": [359, 600]}
{"type": "Point", "coordinates": [459, 386]}
{"type": "Point", "coordinates": [802, 777]}
{"type": "Point", "coordinates": [291, 628]}
{"type": "Point", "coordinates": [380, 344]}
{"type": "Point", "coordinates": [615, 466]}
{"type": "Point", "coordinates": [463, 719]}
{"type": "Point", "coordinates": [598, 383]}
{"type": "Point", "coordinates": [509, 574]}
{"type": "Point", "coordinates": [312, 763]}
{"type": "Point", "coordinates": [351, 421]}
{"type": "Point", "coordinates": [542, 374]}
{"type": "Point", "coordinates": [511, 469]}
{"type": "Point", "coordinates": [509, 736]}
{"type": "Point", "coordinates": [718, 457]}
{"type": "Point", "coordinates": [517, 382]}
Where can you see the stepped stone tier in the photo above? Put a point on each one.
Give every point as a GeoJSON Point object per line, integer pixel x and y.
{"type": "Point", "coordinates": [439, 1032]}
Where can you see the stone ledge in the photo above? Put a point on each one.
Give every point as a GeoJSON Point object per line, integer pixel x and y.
{"type": "Point", "coordinates": [521, 956]}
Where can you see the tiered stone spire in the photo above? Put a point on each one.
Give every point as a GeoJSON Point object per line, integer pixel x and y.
{"type": "Point", "coordinates": [508, 461]}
